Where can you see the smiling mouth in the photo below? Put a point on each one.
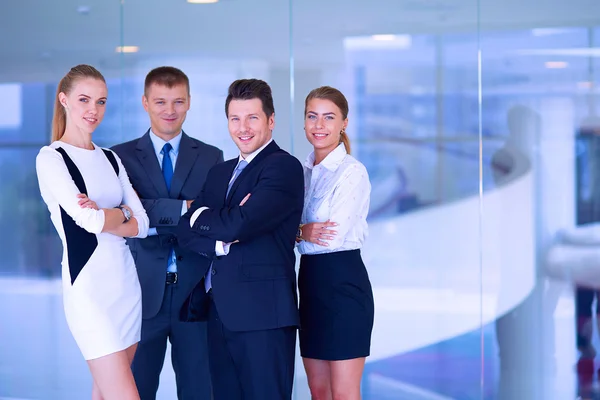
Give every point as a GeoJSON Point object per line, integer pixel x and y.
{"type": "Point", "coordinates": [91, 120]}
{"type": "Point", "coordinates": [320, 135]}
{"type": "Point", "coordinates": [245, 138]}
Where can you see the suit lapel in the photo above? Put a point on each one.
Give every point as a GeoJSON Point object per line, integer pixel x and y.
{"type": "Point", "coordinates": [188, 152]}
{"type": "Point", "coordinates": [271, 148]}
{"type": "Point", "coordinates": [147, 157]}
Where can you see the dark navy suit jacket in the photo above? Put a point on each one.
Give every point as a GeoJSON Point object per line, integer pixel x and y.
{"type": "Point", "coordinates": [164, 210]}
{"type": "Point", "coordinates": [254, 286]}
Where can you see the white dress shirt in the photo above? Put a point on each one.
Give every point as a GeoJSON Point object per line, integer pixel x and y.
{"type": "Point", "coordinates": [222, 249]}
{"type": "Point", "coordinates": [337, 189]}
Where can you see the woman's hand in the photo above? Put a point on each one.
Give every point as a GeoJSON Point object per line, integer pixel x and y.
{"type": "Point", "coordinates": [319, 232]}
{"type": "Point", "coordinates": [85, 202]}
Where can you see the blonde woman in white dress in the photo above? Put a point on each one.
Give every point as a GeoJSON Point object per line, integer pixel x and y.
{"type": "Point", "coordinates": [93, 208]}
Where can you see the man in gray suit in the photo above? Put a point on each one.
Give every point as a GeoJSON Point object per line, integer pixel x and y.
{"type": "Point", "coordinates": [168, 168]}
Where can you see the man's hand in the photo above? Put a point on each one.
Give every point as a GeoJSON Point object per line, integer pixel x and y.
{"type": "Point", "coordinates": [245, 199]}
{"type": "Point", "coordinates": [189, 203]}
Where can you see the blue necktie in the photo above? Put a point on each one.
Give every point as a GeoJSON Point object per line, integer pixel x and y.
{"type": "Point", "coordinates": [167, 165]}
{"type": "Point", "coordinates": [236, 173]}
{"type": "Point", "coordinates": [167, 170]}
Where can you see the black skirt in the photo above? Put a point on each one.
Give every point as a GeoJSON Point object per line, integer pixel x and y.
{"type": "Point", "coordinates": [336, 306]}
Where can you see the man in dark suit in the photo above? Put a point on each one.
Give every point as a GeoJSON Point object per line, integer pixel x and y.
{"type": "Point", "coordinates": [167, 168]}
{"type": "Point", "coordinates": [245, 221]}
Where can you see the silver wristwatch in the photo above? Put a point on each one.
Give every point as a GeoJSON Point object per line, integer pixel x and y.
{"type": "Point", "coordinates": [126, 213]}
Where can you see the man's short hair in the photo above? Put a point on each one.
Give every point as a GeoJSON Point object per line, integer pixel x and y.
{"type": "Point", "coordinates": [166, 76]}
{"type": "Point", "coordinates": [248, 89]}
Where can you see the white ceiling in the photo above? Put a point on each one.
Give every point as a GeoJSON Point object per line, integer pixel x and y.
{"type": "Point", "coordinates": [42, 39]}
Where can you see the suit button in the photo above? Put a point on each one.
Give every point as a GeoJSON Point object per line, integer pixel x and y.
{"type": "Point", "coordinates": [179, 258]}
{"type": "Point", "coordinates": [172, 240]}
{"type": "Point", "coordinates": [213, 271]}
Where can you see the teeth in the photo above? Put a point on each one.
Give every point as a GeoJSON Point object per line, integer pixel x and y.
{"type": "Point", "coordinates": [320, 134]}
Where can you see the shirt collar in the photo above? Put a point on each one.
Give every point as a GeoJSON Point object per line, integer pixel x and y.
{"type": "Point", "coordinates": [332, 161]}
{"type": "Point", "coordinates": [251, 156]}
{"type": "Point", "coordinates": [158, 142]}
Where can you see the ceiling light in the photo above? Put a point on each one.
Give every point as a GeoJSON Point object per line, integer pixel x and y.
{"type": "Point", "coordinates": [548, 31]}
{"type": "Point", "coordinates": [556, 64]}
{"type": "Point", "coordinates": [127, 49]}
{"type": "Point", "coordinates": [202, 1]}
{"type": "Point", "coordinates": [575, 52]}
{"type": "Point", "coordinates": [380, 42]}
{"type": "Point", "coordinates": [383, 37]}
{"type": "Point", "coordinates": [585, 85]}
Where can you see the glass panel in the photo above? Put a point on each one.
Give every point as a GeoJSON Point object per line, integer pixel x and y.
{"type": "Point", "coordinates": [213, 43]}
{"type": "Point", "coordinates": [539, 114]}
{"type": "Point", "coordinates": [39, 356]}
{"type": "Point", "coordinates": [413, 123]}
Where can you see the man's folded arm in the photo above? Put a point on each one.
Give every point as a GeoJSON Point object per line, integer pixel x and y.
{"type": "Point", "coordinates": [279, 192]}
{"type": "Point", "coordinates": [164, 212]}
{"type": "Point", "coordinates": [189, 239]}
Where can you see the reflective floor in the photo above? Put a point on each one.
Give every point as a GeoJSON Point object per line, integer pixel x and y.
{"type": "Point", "coordinates": [526, 354]}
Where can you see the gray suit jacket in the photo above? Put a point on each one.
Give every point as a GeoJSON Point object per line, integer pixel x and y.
{"type": "Point", "coordinates": [194, 161]}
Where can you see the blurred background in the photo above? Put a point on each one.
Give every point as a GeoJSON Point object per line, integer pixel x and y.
{"type": "Point", "coordinates": [477, 121]}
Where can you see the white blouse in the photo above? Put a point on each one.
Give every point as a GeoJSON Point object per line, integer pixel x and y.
{"type": "Point", "coordinates": [337, 189]}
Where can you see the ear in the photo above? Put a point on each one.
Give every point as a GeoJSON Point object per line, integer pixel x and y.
{"type": "Point", "coordinates": [272, 122]}
{"type": "Point", "coordinates": [345, 124]}
{"type": "Point", "coordinates": [62, 98]}
{"type": "Point", "coordinates": [145, 102]}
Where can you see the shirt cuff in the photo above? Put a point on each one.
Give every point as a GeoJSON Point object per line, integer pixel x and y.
{"type": "Point", "coordinates": [152, 232]}
{"type": "Point", "coordinates": [184, 207]}
{"type": "Point", "coordinates": [222, 249]}
{"type": "Point", "coordinates": [195, 215]}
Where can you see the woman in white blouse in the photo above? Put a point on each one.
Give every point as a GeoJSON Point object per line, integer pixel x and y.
{"type": "Point", "coordinates": [336, 299]}
{"type": "Point", "coordinates": [93, 207]}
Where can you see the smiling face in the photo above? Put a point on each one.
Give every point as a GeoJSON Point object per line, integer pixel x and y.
{"type": "Point", "coordinates": [249, 126]}
{"type": "Point", "coordinates": [323, 123]}
{"type": "Point", "coordinates": [167, 108]}
{"type": "Point", "coordinates": [85, 104]}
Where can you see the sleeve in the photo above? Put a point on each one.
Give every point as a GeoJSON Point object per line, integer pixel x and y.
{"type": "Point", "coordinates": [131, 199]}
{"type": "Point", "coordinates": [190, 239]}
{"type": "Point", "coordinates": [221, 249]}
{"type": "Point", "coordinates": [164, 212]}
{"type": "Point", "coordinates": [54, 179]}
{"type": "Point", "coordinates": [349, 204]}
{"type": "Point", "coordinates": [278, 193]}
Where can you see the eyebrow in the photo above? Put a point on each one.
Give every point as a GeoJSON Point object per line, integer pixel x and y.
{"type": "Point", "coordinates": [88, 97]}
{"type": "Point", "coordinates": [163, 99]}
{"type": "Point", "coordinates": [327, 113]}
{"type": "Point", "coordinates": [249, 115]}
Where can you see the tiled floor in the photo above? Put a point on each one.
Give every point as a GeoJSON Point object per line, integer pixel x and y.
{"type": "Point", "coordinates": [527, 354]}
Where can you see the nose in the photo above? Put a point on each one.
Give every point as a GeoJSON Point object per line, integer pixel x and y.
{"type": "Point", "coordinates": [319, 123]}
{"type": "Point", "coordinates": [94, 109]}
{"type": "Point", "coordinates": [244, 126]}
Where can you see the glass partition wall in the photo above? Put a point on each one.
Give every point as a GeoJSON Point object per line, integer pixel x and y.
{"type": "Point", "coordinates": [477, 122]}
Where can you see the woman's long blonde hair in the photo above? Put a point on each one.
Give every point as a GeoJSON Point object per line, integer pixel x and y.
{"type": "Point", "coordinates": [59, 118]}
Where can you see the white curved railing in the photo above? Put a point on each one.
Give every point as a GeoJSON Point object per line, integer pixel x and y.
{"type": "Point", "coordinates": [425, 267]}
